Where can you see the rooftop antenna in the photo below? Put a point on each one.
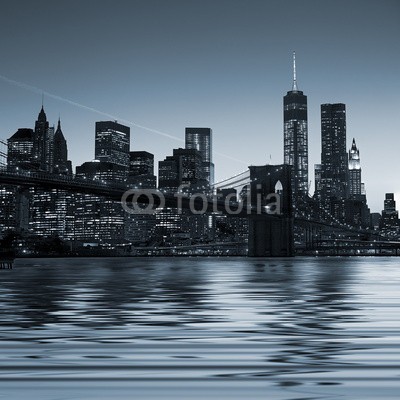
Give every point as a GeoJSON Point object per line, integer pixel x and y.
{"type": "Point", "coordinates": [294, 88]}
{"type": "Point", "coordinates": [42, 98]}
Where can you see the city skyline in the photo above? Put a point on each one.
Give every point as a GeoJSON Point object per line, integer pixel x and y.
{"type": "Point", "coordinates": [226, 75]}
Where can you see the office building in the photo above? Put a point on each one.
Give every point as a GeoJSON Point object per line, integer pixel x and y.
{"type": "Point", "coordinates": [141, 170]}
{"type": "Point", "coordinates": [20, 154]}
{"type": "Point", "coordinates": [201, 139]}
{"type": "Point", "coordinates": [184, 167]}
{"type": "Point", "coordinates": [97, 219]}
{"type": "Point", "coordinates": [112, 141]}
{"type": "Point", "coordinates": [334, 160]}
{"type": "Point", "coordinates": [355, 185]}
{"type": "Point", "coordinates": [317, 181]}
{"type": "Point", "coordinates": [61, 164]}
{"type": "Point", "coordinates": [43, 143]}
{"type": "Point", "coordinates": [390, 216]}
{"type": "Point", "coordinates": [140, 228]}
{"type": "Point", "coordinates": [295, 137]}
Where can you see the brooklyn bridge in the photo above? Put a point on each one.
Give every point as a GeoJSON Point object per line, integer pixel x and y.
{"type": "Point", "coordinates": [298, 226]}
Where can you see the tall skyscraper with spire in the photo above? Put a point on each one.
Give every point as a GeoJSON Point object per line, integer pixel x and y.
{"type": "Point", "coordinates": [355, 185]}
{"type": "Point", "coordinates": [295, 133]}
{"type": "Point", "coordinates": [43, 142]}
{"type": "Point", "coordinates": [61, 165]}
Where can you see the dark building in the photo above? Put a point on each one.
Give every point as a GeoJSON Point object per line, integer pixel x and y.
{"type": "Point", "coordinates": [61, 164]}
{"type": "Point", "coordinates": [168, 174]}
{"type": "Point", "coordinates": [355, 186]}
{"type": "Point", "coordinates": [227, 228]}
{"type": "Point", "coordinates": [295, 137]}
{"type": "Point", "coordinates": [375, 220]}
{"type": "Point", "coordinates": [51, 212]}
{"type": "Point", "coordinates": [141, 170]}
{"type": "Point", "coordinates": [229, 194]}
{"type": "Point", "coordinates": [184, 167]}
{"type": "Point", "coordinates": [141, 228]}
{"type": "Point", "coordinates": [43, 212]}
{"type": "Point", "coordinates": [43, 143]}
{"type": "Point", "coordinates": [333, 188]}
{"type": "Point", "coordinates": [201, 139]}
{"type": "Point", "coordinates": [334, 161]}
{"type": "Point", "coordinates": [141, 163]}
{"type": "Point", "coordinates": [97, 219]}
{"type": "Point", "coordinates": [357, 212]}
{"type": "Point", "coordinates": [390, 216]}
{"type": "Point", "coordinates": [317, 181]}
{"type": "Point", "coordinates": [101, 171]}
{"type": "Point", "coordinates": [20, 154]}
{"type": "Point", "coordinates": [7, 209]}
{"type": "Point", "coordinates": [112, 143]}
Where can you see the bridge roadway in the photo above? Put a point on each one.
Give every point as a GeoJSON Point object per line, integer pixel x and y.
{"type": "Point", "coordinates": [115, 191]}
{"type": "Point", "coordinates": [347, 247]}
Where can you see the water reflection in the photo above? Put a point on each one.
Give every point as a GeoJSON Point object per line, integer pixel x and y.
{"type": "Point", "coordinates": [103, 293]}
{"type": "Point", "coordinates": [286, 320]}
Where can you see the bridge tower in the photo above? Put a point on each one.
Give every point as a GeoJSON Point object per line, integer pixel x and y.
{"type": "Point", "coordinates": [271, 235]}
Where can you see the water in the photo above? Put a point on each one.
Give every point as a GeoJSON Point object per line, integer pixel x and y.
{"type": "Point", "coordinates": [200, 328]}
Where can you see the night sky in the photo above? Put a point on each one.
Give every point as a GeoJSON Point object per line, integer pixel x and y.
{"type": "Point", "coordinates": [165, 65]}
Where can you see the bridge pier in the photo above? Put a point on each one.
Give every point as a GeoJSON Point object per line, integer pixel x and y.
{"type": "Point", "coordinates": [22, 208]}
{"type": "Point", "coordinates": [271, 235]}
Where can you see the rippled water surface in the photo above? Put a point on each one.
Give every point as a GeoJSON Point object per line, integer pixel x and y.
{"type": "Point", "coordinates": [200, 328]}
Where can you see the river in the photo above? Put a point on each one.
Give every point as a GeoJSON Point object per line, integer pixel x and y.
{"type": "Point", "coordinates": [200, 328]}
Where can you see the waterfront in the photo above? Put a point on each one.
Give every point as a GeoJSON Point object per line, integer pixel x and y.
{"type": "Point", "coordinates": [183, 328]}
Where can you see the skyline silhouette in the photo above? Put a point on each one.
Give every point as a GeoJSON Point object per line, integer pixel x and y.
{"type": "Point", "coordinates": [224, 65]}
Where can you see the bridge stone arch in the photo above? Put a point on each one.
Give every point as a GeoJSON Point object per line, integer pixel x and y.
{"type": "Point", "coordinates": [278, 187]}
{"type": "Point", "coordinates": [271, 235]}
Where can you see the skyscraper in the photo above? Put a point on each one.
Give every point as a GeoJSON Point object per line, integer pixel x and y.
{"type": "Point", "coordinates": [354, 171]}
{"type": "Point", "coordinates": [141, 163]}
{"type": "Point", "coordinates": [141, 170]}
{"type": "Point", "coordinates": [43, 142]}
{"type": "Point", "coordinates": [295, 136]}
{"type": "Point", "coordinates": [334, 161]}
{"type": "Point", "coordinates": [98, 219]}
{"type": "Point", "coordinates": [61, 165]}
{"type": "Point", "coordinates": [317, 181]}
{"type": "Point", "coordinates": [112, 143]}
{"type": "Point", "coordinates": [183, 167]}
{"type": "Point", "coordinates": [390, 216]}
{"type": "Point", "coordinates": [20, 150]}
{"type": "Point", "coordinates": [201, 139]}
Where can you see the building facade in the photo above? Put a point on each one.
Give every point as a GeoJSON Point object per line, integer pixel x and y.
{"type": "Point", "coordinates": [20, 154]}
{"type": "Point", "coordinates": [390, 216]}
{"type": "Point", "coordinates": [97, 219]}
{"type": "Point", "coordinates": [112, 142]}
{"type": "Point", "coordinates": [334, 161]}
{"type": "Point", "coordinates": [141, 170]}
{"type": "Point", "coordinates": [201, 139]}
{"type": "Point", "coordinates": [295, 137]}
{"type": "Point", "coordinates": [61, 164]}
{"type": "Point", "coordinates": [355, 185]}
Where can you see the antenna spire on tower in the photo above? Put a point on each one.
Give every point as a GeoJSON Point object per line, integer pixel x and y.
{"type": "Point", "coordinates": [294, 88]}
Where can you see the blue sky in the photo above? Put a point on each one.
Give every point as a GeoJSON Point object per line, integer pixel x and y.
{"type": "Point", "coordinates": [222, 64]}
